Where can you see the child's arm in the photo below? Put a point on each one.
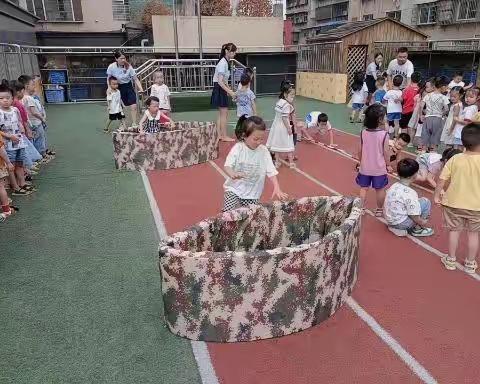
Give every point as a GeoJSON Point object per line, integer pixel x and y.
{"type": "Point", "coordinates": [170, 121]}
{"type": "Point", "coordinates": [7, 136]}
{"type": "Point", "coordinates": [419, 220]}
{"type": "Point", "coordinates": [330, 134]}
{"type": "Point", "coordinates": [36, 114]}
{"type": "Point", "coordinates": [438, 191]}
{"type": "Point", "coordinates": [277, 192]}
{"type": "Point", "coordinates": [232, 174]}
{"type": "Point", "coordinates": [386, 155]}
{"type": "Point", "coordinates": [286, 123]}
{"type": "Point", "coordinates": [456, 112]}
{"type": "Point", "coordinates": [431, 180]}
{"type": "Point", "coordinates": [142, 122]}
{"type": "Point", "coordinates": [254, 107]}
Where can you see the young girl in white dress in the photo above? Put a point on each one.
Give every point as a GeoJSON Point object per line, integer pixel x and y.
{"type": "Point", "coordinates": [280, 139]}
{"type": "Point", "coordinates": [448, 134]}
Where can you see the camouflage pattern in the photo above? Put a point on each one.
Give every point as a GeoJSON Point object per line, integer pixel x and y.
{"type": "Point", "coordinates": [185, 144]}
{"type": "Point", "coordinates": [261, 272]}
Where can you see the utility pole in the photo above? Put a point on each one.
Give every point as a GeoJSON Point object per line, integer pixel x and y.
{"type": "Point", "coordinates": [200, 44]}
{"type": "Point", "coordinates": [175, 40]}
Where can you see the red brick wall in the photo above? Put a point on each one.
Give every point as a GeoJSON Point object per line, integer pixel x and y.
{"type": "Point", "coordinates": [287, 32]}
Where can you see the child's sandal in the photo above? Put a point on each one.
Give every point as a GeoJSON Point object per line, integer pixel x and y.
{"type": "Point", "coordinates": [470, 266]}
{"type": "Point", "coordinates": [450, 263]}
{"type": "Point", "coordinates": [379, 212]}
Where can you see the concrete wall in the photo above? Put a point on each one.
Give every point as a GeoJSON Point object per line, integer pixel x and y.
{"type": "Point", "coordinates": [16, 25]}
{"type": "Point", "coordinates": [218, 30]}
{"type": "Point", "coordinates": [456, 31]}
{"type": "Point", "coordinates": [379, 8]}
{"type": "Point", "coordinates": [97, 17]}
{"type": "Point", "coordinates": [329, 87]}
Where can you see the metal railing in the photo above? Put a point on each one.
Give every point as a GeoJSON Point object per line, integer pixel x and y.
{"type": "Point", "coordinates": [16, 60]}
{"type": "Point", "coordinates": [321, 57]}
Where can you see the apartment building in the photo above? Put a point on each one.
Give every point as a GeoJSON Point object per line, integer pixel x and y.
{"type": "Point", "coordinates": [363, 10]}
{"type": "Point", "coordinates": [311, 17]}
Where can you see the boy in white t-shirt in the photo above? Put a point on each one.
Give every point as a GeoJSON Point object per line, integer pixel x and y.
{"type": "Point", "coordinates": [457, 81]}
{"type": "Point", "coordinates": [316, 123]}
{"type": "Point", "coordinates": [114, 104]}
{"type": "Point", "coordinates": [160, 90]}
{"type": "Point", "coordinates": [393, 97]}
{"type": "Point", "coordinates": [404, 212]}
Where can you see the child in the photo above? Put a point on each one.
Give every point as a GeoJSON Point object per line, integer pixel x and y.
{"type": "Point", "coordinates": [408, 97]}
{"type": "Point", "coordinates": [415, 124]}
{"type": "Point", "coordinates": [160, 90]}
{"type": "Point", "coordinates": [316, 123]}
{"type": "Point", "coordinates": [114, 104]}
{"type": "Point", "coordinates": [153, 120]}
{"type": "Point", "coordinates": [5, 167]}
{"type": "Point", "coordinates": [380, 92]}
{"type": "Point", "coordinates": [466, 116]}
{"type": "Point", "coordinates": [457, 81]}
{"type": "Point", "coordinates": [247, 71]}
{"type": "Point", "coordinates": [404, 212]}
{"type": "Point", "coordinates": [247, 164]}
{"type": "Point", "coordinates": [431, 164]}
{"type": "Point", "coordinates": [398, 145]}
{"type": "Point", "coordinates": [394, 105]}
{"type": "Point", "coordinates": [448, 137]}
{"type": "Point", "coordinates": [245, 98]}
{"type": "Point", "coordinates": [359, 97]}
{"type": "Point", "coordinates": [11, 128]}
{"type": "Point", "coordinates": [436, 105]}
{"type": "Point", "coordinates": [280, 138]}
{"type": "Point", "coordinates": [461, 201]}
{"type": "Point", "coordinates": [374, 156]}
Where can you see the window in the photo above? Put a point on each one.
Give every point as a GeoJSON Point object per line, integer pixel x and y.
{"type": "Point", "coordinates": [427, 14]}
{"type": "Point", "coordinates": [368, 17]}
{"type": "Point", "coordinates": [467, 9]}
{"type": "Point", "coordinates": [121, 10]}
{"type": "Point", "coordinates": [56, 10]}
{"type": "Point", "coordinates": [395, 15]}
{"type": "Point", "coordinates": [340, 11]}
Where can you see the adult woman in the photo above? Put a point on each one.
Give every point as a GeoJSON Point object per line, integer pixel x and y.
{"type": "Point", "coordinates": [125, 73]}
{"type": "Point", "coordinates": [374, 69]}
{"type": "Point", "coordinates": [221, 90]}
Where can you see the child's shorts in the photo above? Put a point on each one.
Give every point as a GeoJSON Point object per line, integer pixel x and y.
{"type": "Point", "coordinates": [17, 156]}
{"type": "Point", "coordinates": [394, 116]}
{"type": "Point", "coordinates": [232, 201]}
{"type": "Point", "coordinates": [405, 119]}
{"type": "Point", "coordinates": [3, 172]}
{"type": "Point", "coordinates": [116, 116]}
{"type": "Point", "coordinates": [457, 142]}
{"type": "Point", "coordinates": [457, 219]}
{"type": "Point", "coordinates": [376, 182]}
{"type": "Point", "coordinates": [432, 131]}
{"type": "Point", "coordinates": [357, 106]}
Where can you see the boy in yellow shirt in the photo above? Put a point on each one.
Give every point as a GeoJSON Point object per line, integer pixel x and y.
{"type": "Point", "coordinates": [461, 201]}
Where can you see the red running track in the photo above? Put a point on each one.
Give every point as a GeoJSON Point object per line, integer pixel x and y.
{"type": "Point", "coordinates": [431, 312]}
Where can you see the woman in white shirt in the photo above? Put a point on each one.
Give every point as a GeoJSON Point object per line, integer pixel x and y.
{"type": "Point", "coordinates": [125, 74]}
{"type": "Point", "coordinates": [374, 69]}
{"type": "Point", "coordinates": [221, 90]}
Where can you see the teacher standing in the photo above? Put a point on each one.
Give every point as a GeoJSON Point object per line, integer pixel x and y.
{"type": "Point", "coordinates": [221, 90]}
{"type": "Point", "coordinates": [374, 70]}
{"type": "Point", "coordinates": [125, 74]}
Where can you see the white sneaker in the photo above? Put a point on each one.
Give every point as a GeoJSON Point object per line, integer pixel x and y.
{"type": "Point", "coordinates": [398, 232]}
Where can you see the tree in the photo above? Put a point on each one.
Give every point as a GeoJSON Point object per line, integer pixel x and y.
{"type": "Point", "coordinates": [216, 8]}
{"type": "Point", "coordinates": [255, 8]}
{"type": "Point", "coordinates": [152, 8]}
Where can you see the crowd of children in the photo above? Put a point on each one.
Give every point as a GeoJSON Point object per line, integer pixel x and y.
{"type": "Point", "coordinates": [23, 140]}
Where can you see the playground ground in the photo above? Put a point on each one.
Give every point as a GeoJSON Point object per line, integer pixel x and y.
{"type": "Point", "coordinates": [80, 298]}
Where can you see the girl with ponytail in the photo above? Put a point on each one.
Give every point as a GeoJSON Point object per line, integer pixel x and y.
{"type": "Point", "coordinates": [247, 164]}
{"type": "Point", "coordinates": [221, 90]}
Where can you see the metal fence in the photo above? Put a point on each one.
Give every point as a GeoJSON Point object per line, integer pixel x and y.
{"type": "Point", "coordinates": [321, 57]}
{"type": "Point", "coordinates": [16, 60]}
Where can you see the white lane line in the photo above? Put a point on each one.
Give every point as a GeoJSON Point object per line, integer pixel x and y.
{"type": "Point", "coordinates": [199, 348]}
{"type": "Point", "coordinates": [415, 240]}
{"type": "Point", "coordinates": [417, 368]}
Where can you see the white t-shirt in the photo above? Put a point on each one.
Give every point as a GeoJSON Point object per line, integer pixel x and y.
{"type": "Point", "coordinates": [115, 100]}
{"type": "Point", "coordinates": [401, 201]}
{"type": "Point", "coordinates": [372, 70]}
{"type": "Point", "coordinates": [312, 120]}
{"type": "Point", "coordinates": [359, 97]}
{"type": "Point", "coordinates": [405, 70]}
{"type": "Point", "coordinates": [10, 124]}
{"type": "Point", "coordinates": [390, 97]}
{"type": "Point", "coordinates": [222, 69]}
{"type": "Point", "coordinates": [436, 104]}
{"type": "Point", "coordinates": [255, 164]}
{"type": "Point", "coordinates": [28, 102]}
{"type": "Point", "coordinates": [163, 94]}
{"type": "Point", "coordinates": [468, 113]}
{"type": "Point", "coordinates": [453, 84]}
{"type": "Point", "coordinates": [124, 75]}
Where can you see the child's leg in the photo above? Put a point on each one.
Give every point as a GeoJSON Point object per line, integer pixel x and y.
{"type": "Point", "coordinates": [231, 201]}
{"type": "Point", "coordinates": [453, 238]}
{"type": "Point", "coordinates": [4, 196]}
{"type": "Point", "coordinates": [380, 195]}
{"type": "Point", "coordinates": [352, 116]}
{"type": "Point", "coordinates": [473, 245]}
{"type": "Point", "coordinates": [290, 157]}
{"type": "Point", "coordinates": [357, 116]}
{"type": "Point", "coordinates": [20, 175]}
{"type": "Point", "coordinates": [107, 125]}
{"type": "Point", "coordinates": [303, 131]}
{"type": "Point", "coordinates": [363, 195]}
{"type": "Point", "coordinates": [425, 207]}
{"type": "Point", "coordinates": [396, 127]}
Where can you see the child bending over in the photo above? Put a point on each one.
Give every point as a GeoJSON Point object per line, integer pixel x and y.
{"type": "Point", "coordinates": [431, 164]}
{"type": "Point", "coordinates": [247, 165]}
{"type": "Point", "coordinates": [154, 120]}
{"type": "Point", "coordinates": [404, 212]}
{"type": "Point", "coordinates": [316, 123]}
{"type": "Point", "coordinates": [461, 200]}
{"type": "Point", "coordinates": [396, 146]}
{"type": "Point", "coordinates": [114, 104]}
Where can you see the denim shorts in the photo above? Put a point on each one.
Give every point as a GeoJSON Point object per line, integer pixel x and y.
{"type": "Point", "coordinates": [17, 156]}
{"type": "Point", "coordinates": [357, 106]}
{"type": "Point", "coordinates": [394, 116]}
{"type": "Point", "coordinates": [376, 182]}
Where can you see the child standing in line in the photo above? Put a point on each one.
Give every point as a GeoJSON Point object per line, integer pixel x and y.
{"type": "Point", "coordinates": [247, 165]}
{"type": "Point", "coordinates": [359, 97]}
{"type": "Point", "coordinates": [114, 105]}
{"type": "Point", "coordinates": [466, 116]}
{"type": "Point", "coordinates": [431, 164]}
{"type": "Point", "coordinates": [380, 92]}
{"type": "Point", "coordinates": [436, 106]}
{"type": "Point", "coordinates": [154, 120]}
{"type": "Point", "coordinates": [280, 138]}
{"type": "Point", "coordinates": [316, 123]}
{"type": "Point", "coordinates": [245, 98]}
{"type": "Point", "coordinates": [456, 107]}
{"type": "Point", "coordinates": [5, 167]}
{"type": "Point", "coordinates": [374, 155]}
{"type": "Point", "coordinates": [394, 105]}
{"type": "Point", "coordinates": [461, 201]}
{"type": "Point", "coordinates": [457, 81]}
{"type": "Point", "coordinates": [408, 97]}
{"type": "Point", "coordinates": [160, 90]}
{"type": "Point", "coordinates": [404, 212]}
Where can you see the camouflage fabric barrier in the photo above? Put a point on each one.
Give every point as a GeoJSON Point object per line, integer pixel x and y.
{"type": "Point", "coordinates": [261, 272]}
{"type": "Point", "coordinates": [185, 144]}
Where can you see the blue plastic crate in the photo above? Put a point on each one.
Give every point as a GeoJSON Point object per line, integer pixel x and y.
{"type": "Point", "coordinates": [57, 77]}
{"type": "Point", "coordinates": [79, 92]}
{"type": "Point", "coordinates": [54, 95]}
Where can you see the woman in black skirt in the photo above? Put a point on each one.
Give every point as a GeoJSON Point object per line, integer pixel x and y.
{"type": "Point", "coordinates": [374, 69]}
{"type": "Point", "coordinates": [125, 74]}
{"type": "Point", "coordinates": [221, 90]}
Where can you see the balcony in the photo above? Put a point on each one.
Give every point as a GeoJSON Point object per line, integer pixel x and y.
{"type": "Point", "coordinates": [56, 10]}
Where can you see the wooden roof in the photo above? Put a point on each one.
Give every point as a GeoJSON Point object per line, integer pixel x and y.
{"type": "Point", "coordinates": [352, 27]}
